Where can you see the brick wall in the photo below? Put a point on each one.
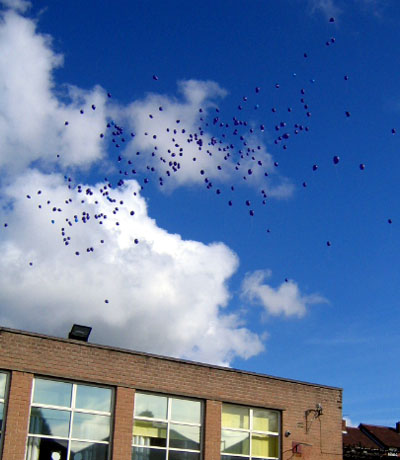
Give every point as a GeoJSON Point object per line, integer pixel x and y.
{"type": "Point", "coordinates": [19, 399]}
{"type": "Point", "coordinates": [123, 423]}
{"type": "Point", "coordinates": [66, 359]}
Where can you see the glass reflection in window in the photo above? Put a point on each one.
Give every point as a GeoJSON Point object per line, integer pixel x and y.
{"type": "Point", "coordinates": [89, 397]}
{"type": "Point", "coordinates": [249, 433]}
{"type": "Point", "coordinates": [51, 422]}
{"type": "Point", "coordinates": [69, 421]}
{"type": "Point", "coordinates": [166, 427]}
{"type": "Point", "coordinates": [151, 406]}
{"type": "Point", "coordinates": [3, 381]}
{"type": "Point", "coordinates": [52, 393]}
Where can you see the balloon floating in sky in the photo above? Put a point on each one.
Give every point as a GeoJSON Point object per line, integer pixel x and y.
{"type": "Point", "coordinates": [216, 145]}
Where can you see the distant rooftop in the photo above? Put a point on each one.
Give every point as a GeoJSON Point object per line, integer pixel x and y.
{"type": "Point", "coordinates": [374, 437]}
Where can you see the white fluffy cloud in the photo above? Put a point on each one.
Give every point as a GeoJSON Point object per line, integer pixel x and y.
{"type": "Point", "coordinates": [284, 300]}
{"type": "Point", "coordinates": [17, 5]}
{"type": "Point", "coordinates": [328, 7]}
{"type": "Point", "coordinates": [163, 293]}
{"type": "Point", "coordinates": [32, 118]}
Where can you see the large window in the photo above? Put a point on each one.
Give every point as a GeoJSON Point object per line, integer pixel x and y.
{"type": "Point", "coordinates": [3, 386]}
{"type": "Point", "coordinates": [249, 433]}
{"type": "Point", "coordinates": [166, 428]}
{"type": "Point", "coordinates": [69, 421]}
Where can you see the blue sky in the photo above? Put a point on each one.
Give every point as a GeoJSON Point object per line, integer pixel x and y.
{"type": "Point", "coordinates": [301, 281]}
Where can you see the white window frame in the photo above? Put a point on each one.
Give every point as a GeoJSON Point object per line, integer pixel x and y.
{"type": "Point", "coordinates": [170, 421]}
{"type": "Point", "coordinates": [251, 431]}
{"type": "Point", "coordinates": [72, 409]}
{"type": "Point", "coordinates": [4, 401]}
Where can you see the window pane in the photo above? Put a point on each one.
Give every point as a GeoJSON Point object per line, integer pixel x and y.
{"type": "Point", "coordinates": [88, 451]}
{"type": "Point", "coordinates": [1, 415]}
{"type": "Point", "coordinates": [235, 442]}
{"type": "Point", "coordinates": [91, 427]}
{"type": "Point", "coordinates": [52, 422]}
{"type": "Point", "coordinates": [231, 457]}
{"type": "Point", "coordinates": [264, 446]}
{"type": "Point", "coordinates": [150, 406]}
{"type": "Point", "coordinates": [89, 397]}
{"type": "Point", "coordinates": [3, 378]}
{"type": "Point", "coordinates": [265, 420]}
{"type": "Point", "coordinates": [52, 393]}
{"type": "Point", "coordinates": [141, 453]}
{"type": "Point", "coordinates": [184, 410]}
{"type": "Point", "coordinates": [150, 433]}
{"type": "Point", "coordinates": [46, 449]}
{"type": "Point", "coordinates": [235, 416]}
{"type": "Point", "coordinates": [184, 437]}
{"type": "Point", "coordinates": [176, 455]}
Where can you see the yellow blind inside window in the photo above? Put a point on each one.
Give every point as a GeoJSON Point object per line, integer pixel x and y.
{"type": "Point", "coordinates": [264, 446]}
{"type": "Point", "coordinates": [150, 429]}
{"type": "Point", "coordinates": [235, 416]}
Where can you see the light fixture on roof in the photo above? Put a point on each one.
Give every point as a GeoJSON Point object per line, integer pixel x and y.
{"type": "Point", "coordinates": [79, 332]}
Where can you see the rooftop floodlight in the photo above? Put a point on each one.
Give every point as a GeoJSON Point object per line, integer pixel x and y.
{"type": "Point", "coordinates": [79, 332]}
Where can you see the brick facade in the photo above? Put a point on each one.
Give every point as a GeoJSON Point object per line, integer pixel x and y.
{"type": "Point", "coordinates": [25, 355]}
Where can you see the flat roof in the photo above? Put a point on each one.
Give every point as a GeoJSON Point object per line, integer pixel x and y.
{"type": "Point", "coordinates": [166, 358]}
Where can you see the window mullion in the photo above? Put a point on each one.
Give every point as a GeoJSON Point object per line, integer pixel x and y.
{"type": "Point", "coordinates": [169, 410]}
{"type": "Point", "coordinates": [68, 450]}
{"type": "Point", "coordinates": [250, 432]}
{"type": "Point", "coordinates": [71, 420]}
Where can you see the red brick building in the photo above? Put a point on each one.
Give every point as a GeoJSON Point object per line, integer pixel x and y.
{"type": "Point", "coordinates": [64, 399]}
